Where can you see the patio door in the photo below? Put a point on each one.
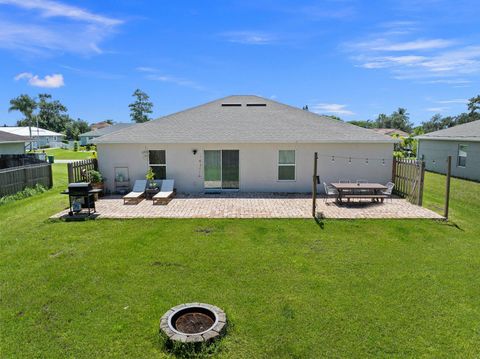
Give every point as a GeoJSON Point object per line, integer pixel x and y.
{"type": "Point", "coordinates": [221, 169]}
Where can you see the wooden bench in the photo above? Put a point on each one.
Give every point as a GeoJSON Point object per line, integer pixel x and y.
{"type": "Point", "coordinates": [364, 196]}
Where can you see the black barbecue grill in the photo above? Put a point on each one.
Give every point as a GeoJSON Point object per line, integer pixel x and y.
{"type": "Point", "coordinates": [81, 196]}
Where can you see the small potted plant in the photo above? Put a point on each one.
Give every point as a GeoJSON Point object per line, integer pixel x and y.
{"type": "Point", "coordinates": [96, 179]}
{"type": "Point", "coordinates": [150, 176]}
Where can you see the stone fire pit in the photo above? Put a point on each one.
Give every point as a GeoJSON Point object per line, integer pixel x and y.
{"type": "Point", "coordinates": [193, 323]}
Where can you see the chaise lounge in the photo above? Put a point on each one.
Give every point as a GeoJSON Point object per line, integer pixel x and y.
{"type": "Point", "coordinates": [137, 193]}
{"type": "Point", "coordinates": [166, 193]}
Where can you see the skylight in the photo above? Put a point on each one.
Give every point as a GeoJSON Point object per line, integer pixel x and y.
{"type": "Point", "coordinates": [231, 104]}
{"type": "Point", "coordinates": [256, 104]}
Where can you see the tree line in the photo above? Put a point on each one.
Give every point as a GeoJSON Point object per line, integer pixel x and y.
{"type": "Point", "coordinates": [45, 112]}
{"type": "Point", "coordinates": [400, 120]}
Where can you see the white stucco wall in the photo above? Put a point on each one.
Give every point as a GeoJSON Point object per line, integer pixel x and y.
{"type": "Point", "coordinates": [258, 164]}
{"type": "Point", "coordinates": [12, 148]}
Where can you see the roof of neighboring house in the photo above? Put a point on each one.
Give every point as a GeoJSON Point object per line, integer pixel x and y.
{"type": "Point", "coordinates": [106, 130]}
{"type": "Point", "coordinates": [466, 132]}
{"type": "Point", "coordinates": [390, 132]}
{"type": "Point", "coordinates": [244, 119]}
{"type": "Point", "coordinates": [99, 125]}
{"type": "Point", "coordinates": [10, 137]}
{"type": "Point", "coordinates": [24, 131]}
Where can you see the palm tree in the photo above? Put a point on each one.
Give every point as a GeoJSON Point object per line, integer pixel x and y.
{"type": "Point", "coordinates": [26, 105]}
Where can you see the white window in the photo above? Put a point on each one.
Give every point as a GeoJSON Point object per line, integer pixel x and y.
{"type": "Point", "coordinates": [462, 155]}
{"type": "Point", "coordinates": [286, 165]}
{"type": "Point", "coordinates": [158, 164]}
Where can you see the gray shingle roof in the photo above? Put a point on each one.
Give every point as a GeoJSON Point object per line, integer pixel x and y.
{"type": "Point", "coordinates": [106, 130]}
{"type": "Point", "coordinates": [466, 132]}
{"type": "Point", "coordinates": [273, 123]}
{"type": "Point", "coordinates": [11, 137]}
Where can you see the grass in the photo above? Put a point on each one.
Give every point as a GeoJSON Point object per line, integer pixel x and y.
{"type": "Point", "coordinates": [290, 288]}
{"type": "Point", "coordinates": [64, 154]}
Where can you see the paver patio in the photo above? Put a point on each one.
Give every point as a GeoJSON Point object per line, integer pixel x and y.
{"type": "Point", "coordinates": [256, 205]}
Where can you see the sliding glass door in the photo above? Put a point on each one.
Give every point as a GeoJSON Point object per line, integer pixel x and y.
{"type": "Point", "coordinates": [221, 169]}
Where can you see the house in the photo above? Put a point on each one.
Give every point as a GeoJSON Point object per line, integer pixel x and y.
{"type": "Point", "coordinates": [87, 137]}
{"type": "Point", "coordinates": [461, 142]}
{"type": "Point", "coordinates": [244, 143]}
{"type": "Point", "coordinates": [40, 137]}
{"type": "Point", "coordinates": [11, 144]}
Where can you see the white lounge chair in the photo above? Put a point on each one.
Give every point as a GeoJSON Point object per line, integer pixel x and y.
{"type": "Point", "coordinates": [166, 192]}
{"type": "Point", "coordinates": [137, 193]}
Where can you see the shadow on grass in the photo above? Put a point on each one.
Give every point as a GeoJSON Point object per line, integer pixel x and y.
{"type": "Point", "coordinates": [319, 221]}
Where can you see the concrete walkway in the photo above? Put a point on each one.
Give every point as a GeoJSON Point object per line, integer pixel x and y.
{"type": "Point", "coordinates": [256, 205]}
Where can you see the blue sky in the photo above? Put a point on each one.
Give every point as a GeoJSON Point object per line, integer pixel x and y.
{"type": "Point", "coordinates": [349, 58]}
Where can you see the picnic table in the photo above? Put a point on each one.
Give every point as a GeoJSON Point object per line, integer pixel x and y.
{"type": "Point", "coordinates": [360, 191]}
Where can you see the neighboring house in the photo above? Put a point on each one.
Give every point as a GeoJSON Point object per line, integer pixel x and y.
{"type": "Point", "coordinates": [245, 143]}
{"type": "Point", "coordinates": [390, 132]}
{"type": "Point", "coordinates": [462, 142]}
{"type": "Point", "coordinates": [87, 137]}
{"type": "Point", "coordinates": [100, 125]}
{"type": "Point", "coordinates": [11, 144]}
{"type": "Point", "coordinates": [40, 136]}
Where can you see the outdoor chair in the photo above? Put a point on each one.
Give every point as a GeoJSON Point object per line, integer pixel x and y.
{"type": "Point", "coordinates": [166, 192]}
{"type": "Point", "coordinates": [389, 190]}
{"type": "Point", "coordinates": [330, 192]}
{"type": "Point", "coordinates": [137, 193]}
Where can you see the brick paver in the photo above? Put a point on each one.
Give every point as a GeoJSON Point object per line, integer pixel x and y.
{"type": "Point", "coordinates": [256, 205]}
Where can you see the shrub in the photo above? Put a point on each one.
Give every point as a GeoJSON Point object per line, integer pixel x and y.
{"type": "Point", "coordinates": [95, 176]}
{"type": "Point", "coordinates": [75, 146]}
{"type": "Point", "coordinates": [27, 192]}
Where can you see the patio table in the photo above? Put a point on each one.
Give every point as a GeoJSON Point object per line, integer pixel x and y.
{"type": "Point", "coordinates": [343, 188]}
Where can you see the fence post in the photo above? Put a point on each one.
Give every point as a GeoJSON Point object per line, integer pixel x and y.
{"type": "Point", "coordinates": [421, 183]}
{"type": "Point", "coordinates": [50, 173]}
{"type": "Point", "coordinates": [447, 187]}
{"type": "Point", "coordinates": [70, 172]}
{"type": "Point", "coordinates": [394, 169]}
{"type": "Point", "coordinates": [314, 186]}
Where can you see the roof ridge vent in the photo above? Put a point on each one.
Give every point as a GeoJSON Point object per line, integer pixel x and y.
{"type": "Point", "coordinates": [256, 104]}
{"type": "Point", "coordinates": [231, 104]}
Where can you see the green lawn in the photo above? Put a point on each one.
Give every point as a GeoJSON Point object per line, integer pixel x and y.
{"type": "Point", "coordinates": [290, 288]}
{"type": "Point", "coordinates": [63, 154]}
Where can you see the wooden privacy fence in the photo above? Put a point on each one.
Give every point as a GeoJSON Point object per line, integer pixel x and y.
{"type": "Point", "coordinates": [78, 170]}
{"type": "Point", "coordinates": [408, 176]}
{"type": "Point", "coordinates": [15, 179]}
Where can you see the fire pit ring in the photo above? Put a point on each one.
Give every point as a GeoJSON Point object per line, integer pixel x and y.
{"type": "Point", "coordinates": [193, 323]}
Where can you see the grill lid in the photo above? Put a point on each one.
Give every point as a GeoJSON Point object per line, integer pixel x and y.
{"type": "Point", "coordinates": [80, 186]}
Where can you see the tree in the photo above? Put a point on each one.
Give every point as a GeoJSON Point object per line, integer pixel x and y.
{"type": "Point", "coordinates": [76, 128]}
{"type": "Point", "coordinates": [52, 115]}
{"type": "Point", "coordinates": [437, 122]}
{"type": "Point", "coordinates": [364, 124]}
{"type": "Point", "coordinates": [141, 108]}
{"type": "Point", "coordinates": [474, 104]}
{"type": "Point", "coordinates": [26, 105]}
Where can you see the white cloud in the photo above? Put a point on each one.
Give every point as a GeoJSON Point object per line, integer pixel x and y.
{"type": "Point", "coordinates": [249, 37]}
{"type": "Point", "coordinates": [80, 31]}
{"type": "Point", "coordinates": [331, 108]}
{"type": "Point", "coordinates": [154, 74]}
{"type": "Point", "coordinates": [454, 101]}
{"type": "Point", "coordinates": [437, 109]}
{"type": "Point", "coordinates": [57, 9]}
{"type": "Point", "coordinates": [415, 45]}
{"type": "Point", "coordinates": [49, 81]}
